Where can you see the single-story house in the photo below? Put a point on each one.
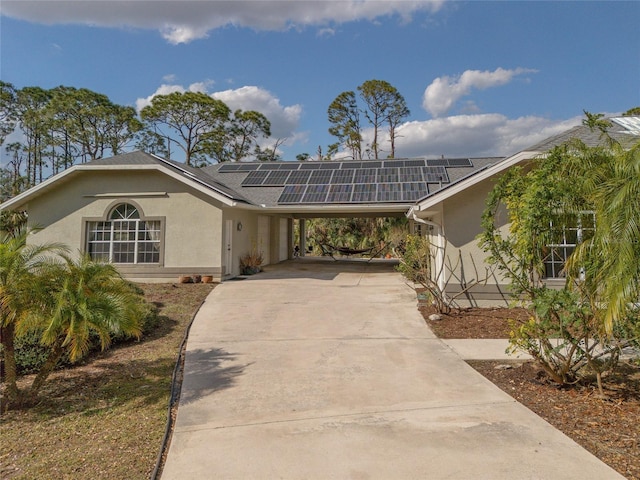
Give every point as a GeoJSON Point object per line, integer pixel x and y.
{"type": "Point", "coordinates": [157, 219]}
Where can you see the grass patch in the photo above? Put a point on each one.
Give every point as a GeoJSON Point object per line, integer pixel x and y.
{"type": "Point", "coordinates": [106, 417]}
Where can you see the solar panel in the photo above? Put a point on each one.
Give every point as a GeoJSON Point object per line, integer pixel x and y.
{"type": "Point", "coordinates": [393, 163]}
{"type": "Point", "coordinates": [410, 174]}
{"type": "Point", "coordinates": [459, 162]}
{"type": "Point", "coordinates": [269, 166]}
{"type": "Point", "coordinates": [254, 179]}
{"type": "Point", "coordinates": [329, 165]}
{"type": "Point", "coordinates": [248, 167]}
{"type": "Point", "coordinates": [292, 194]}
{"type": "Point", "coordinates": [299, 177]}
{"type": "Point", "coordinates": [371, 164]}
{"type": "Point", "coordinates": [351, 164]}
{"type": "Point", "coordinates": [320, 176]}
{"type": "Point", "coordinates": [365, 175]}
{"type": "Point", "coordinates": [435, 174]}
{"type": "Point", "coordinates": [437, 163]}
{"type": "Point", "coordinates": [364, 192]}
{"type": "Point", "coordinates": [289, 166]}
{"type": "Point", "coordinates": [343, 176]}
{"type": "Point", "coordinates": [349, 181]}
{"type": "Point", "coordinates": [229, 167]}
{"type": "Point", "coordinates": [387, 175]}
{"type": "Point", "coordinates": [315, 194]}
{"type": "Point", "coordinates": [340, 194]}
{"type": "Point", "coordinates": [414, 191]}
{"type": "Point", "coordinates": [415, 163]}
{"type": "Point", "coordinates": [276, 177]}
{"type": "Point", "coordinates": [389, 192]}
{"type": "Point", "coordinates": [310, 166]}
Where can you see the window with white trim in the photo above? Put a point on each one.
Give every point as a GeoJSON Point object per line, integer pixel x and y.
{"type": "Point", "coordinates": [567, 232]}
{"type": "Point", "coordinates": [124, 237]}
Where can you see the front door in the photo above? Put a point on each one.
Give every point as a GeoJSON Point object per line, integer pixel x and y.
{"type": "Point", "coordinates": [228, 253]}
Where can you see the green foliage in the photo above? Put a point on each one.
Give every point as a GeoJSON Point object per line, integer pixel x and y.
{"type": "Point", "coordinates": [417, 265]}
{"type": "Point", "coordinates": [194, 120]}
{"type": "Point", "coordinates": [592, 315]}
{"type": "Point", "coordinates": [564, 336]}
{"type": "Point", "coordinates": [382, 105]}
{"type": "Point", "coordinates": [357, 233]}
{"type": "Point", "coordinates": [30, 354]}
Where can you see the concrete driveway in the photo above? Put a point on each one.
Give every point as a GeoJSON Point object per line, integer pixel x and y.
{"type": "Point", "coordinates": [317, 370]}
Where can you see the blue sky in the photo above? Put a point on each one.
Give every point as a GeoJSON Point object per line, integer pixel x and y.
{"type": "Point", "coordinates": [480, 78]}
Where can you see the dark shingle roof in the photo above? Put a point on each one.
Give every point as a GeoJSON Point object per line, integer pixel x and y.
{"type": "Point", "coordinates": [621, 130]}
{"type": "Point", "coordinates": [196, 174]}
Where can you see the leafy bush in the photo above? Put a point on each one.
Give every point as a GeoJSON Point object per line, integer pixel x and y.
{"type": "Point", "coordinates": [564, 336]}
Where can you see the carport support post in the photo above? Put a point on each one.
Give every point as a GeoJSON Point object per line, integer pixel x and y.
{"type": "Point", "coordinates": [303, 237]}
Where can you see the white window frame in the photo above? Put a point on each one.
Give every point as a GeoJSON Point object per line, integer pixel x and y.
{"type": "Point", "coordinates": [570, 236]}
{"type": "Point", "coordinates": [122, 234]}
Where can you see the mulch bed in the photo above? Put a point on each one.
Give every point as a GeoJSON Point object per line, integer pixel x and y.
{"type": "Point", "coordinates": [607, 427]}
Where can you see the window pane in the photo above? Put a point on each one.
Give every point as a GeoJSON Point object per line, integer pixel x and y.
{"type": "Point", "coordinates": [119, 240]}
{"type": "Point", "coordinates": [123, 252]}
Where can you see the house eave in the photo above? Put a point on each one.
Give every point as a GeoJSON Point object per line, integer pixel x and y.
{"type": "Point", "coordinates": [22, 199]}
{"type": "Point", "coordinates": [427, 204]}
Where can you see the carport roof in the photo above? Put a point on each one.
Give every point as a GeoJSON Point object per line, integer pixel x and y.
{"type": "Point", "coordinates": [338, 185]}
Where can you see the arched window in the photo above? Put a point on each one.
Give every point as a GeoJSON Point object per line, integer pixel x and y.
{"type": "Point", "coordinates": [124, 237]}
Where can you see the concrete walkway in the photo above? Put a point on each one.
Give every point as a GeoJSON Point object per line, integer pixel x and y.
{"type": "Point", "coordinates": [327, 371]}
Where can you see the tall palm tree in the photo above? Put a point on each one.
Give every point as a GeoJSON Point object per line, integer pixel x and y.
{"type": "Point", "coordinates": [612, 256]}
{"type": "Point", "coordinates": [24, 287]}
{"type": "Point", "coordinates": [92, 297]}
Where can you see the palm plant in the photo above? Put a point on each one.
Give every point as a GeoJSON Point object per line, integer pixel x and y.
{"type": "Point", "coordinates": [611, 258]}
{"type": "Point", "coordinates": [92, 297]}
{"type": "Point", "coordinates": [23, 290]}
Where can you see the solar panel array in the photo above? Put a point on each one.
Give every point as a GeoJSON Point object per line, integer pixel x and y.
{"type": "Point", "coordinates": [348, 181]}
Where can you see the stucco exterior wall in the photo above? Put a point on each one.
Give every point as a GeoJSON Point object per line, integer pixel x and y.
{"type": "Point", "coordinates": [462, 216]}
{"type": "Point", "coordinates": [191, 219]}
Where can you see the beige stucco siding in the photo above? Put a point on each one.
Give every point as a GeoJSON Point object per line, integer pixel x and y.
{"type": "Point", "coordinates": [462, 216]}
{"type": "Point", "coordinates": [191, 219]}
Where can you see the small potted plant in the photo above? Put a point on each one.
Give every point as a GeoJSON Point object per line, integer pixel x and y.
{"type": "Point", "coordinates": [250, 263]}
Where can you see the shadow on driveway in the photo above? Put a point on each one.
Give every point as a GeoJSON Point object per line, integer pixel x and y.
{"type": "Point", "coordinates": [205, 373]}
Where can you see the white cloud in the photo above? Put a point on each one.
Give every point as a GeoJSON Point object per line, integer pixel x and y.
{"type": "Point", "coordinates": [182, 21]}
{"type": "Point", "coordinates": [284, 119]}
{"type": "Point", "coordinates": [444, 92]}
{"type": "Point", "coordinates": [475, 135]}
{"type": "Point", "coordinates": [166, 89]}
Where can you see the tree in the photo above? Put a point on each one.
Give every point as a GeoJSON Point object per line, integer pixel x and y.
{"type": "Point", "coordinates": [33, 119]}
{"type": "Point", "coordinates": [240, 136]}
{"type": "Point", "coordinates": [397, 112]}
{"type": "Point", "coordinates": [384, 104]}
{"type": "Point", "coordinates": [269, 154]}
{"type": "Point", "coordinates": [24, 286]}
{"type": "Point", "coordinates": [344, 116]}
{"type": "Point", "coordinates": [192, 119]}
{"type": "Point", "coordinates": [92, 122]}
{"type": "Point", "coordinates": [8, 113]}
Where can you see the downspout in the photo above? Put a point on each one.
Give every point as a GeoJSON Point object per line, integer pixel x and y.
{"type": "Point", "coordinates": [439, 247]}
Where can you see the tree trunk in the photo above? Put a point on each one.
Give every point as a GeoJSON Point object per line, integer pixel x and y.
{"type": "Point", "coordinates": [7, 335]}
{"type": "Point", "coordinates": [52, 360]}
